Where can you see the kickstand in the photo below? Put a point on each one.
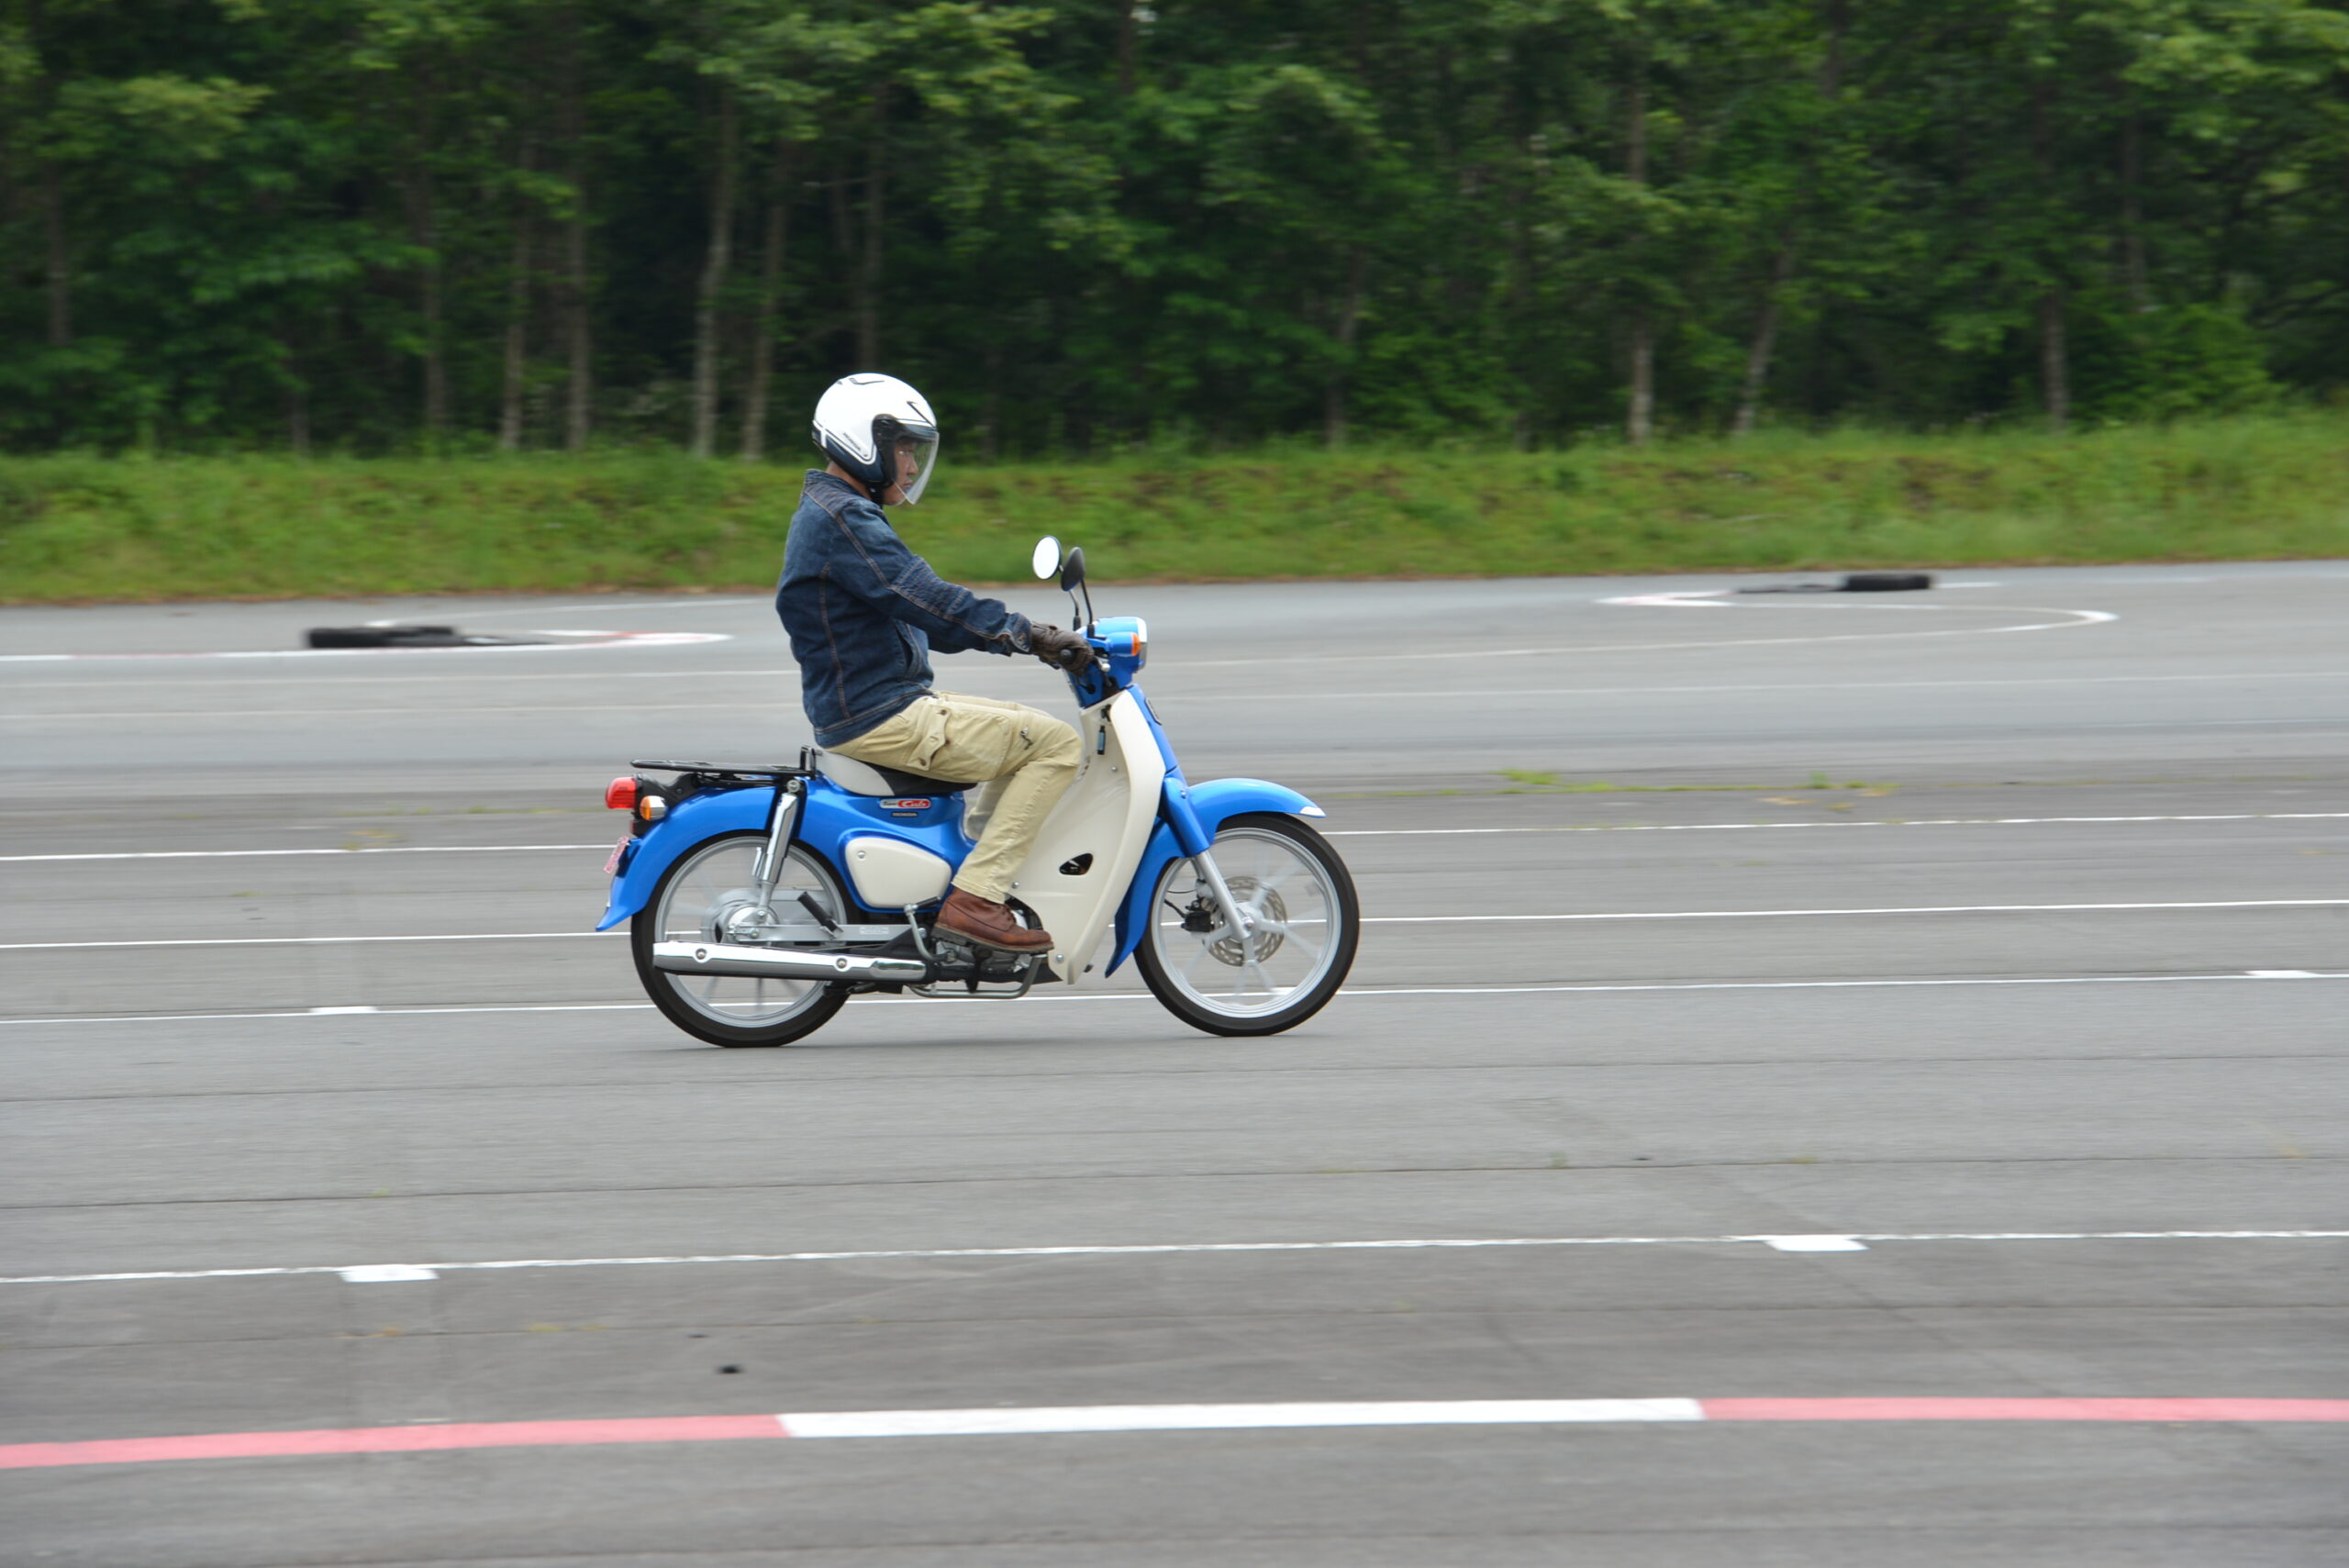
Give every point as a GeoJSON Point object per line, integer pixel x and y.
{"type": "Point", "coordinates": [922, 944]}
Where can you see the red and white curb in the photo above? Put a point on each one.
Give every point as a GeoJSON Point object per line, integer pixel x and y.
{"type": "Point", "coordinates": [1048, 1421]}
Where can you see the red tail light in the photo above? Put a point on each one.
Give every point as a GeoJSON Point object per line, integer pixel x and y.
{"type": "Point", "coordinates": [621, 794]}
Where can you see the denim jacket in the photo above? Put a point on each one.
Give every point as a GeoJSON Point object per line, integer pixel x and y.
{"type": "Point", "coordinates": [864, 612]}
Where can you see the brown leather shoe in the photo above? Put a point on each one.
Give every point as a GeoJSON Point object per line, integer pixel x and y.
{"type": "Point", "coordinates": [990, 924]}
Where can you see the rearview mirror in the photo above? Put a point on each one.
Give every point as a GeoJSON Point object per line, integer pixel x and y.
{"type": "Point", "coordinates": [1047, 559]}
{"type": "Point", "coordinates": [1072, 568]}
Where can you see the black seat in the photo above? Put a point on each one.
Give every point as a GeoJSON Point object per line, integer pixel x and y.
{"type": "Point", "coordinates": [914, 783]}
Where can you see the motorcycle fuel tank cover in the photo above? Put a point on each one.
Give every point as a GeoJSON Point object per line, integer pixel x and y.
{"type": "Point", "coordinates": [891, 873]}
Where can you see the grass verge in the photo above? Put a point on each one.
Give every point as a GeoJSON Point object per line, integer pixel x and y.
{"type": "Point", "coordinates": [82, 527]}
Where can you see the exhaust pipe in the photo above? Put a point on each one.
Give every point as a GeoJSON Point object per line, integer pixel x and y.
{"type": "Point", "coordinates": [777, 963]}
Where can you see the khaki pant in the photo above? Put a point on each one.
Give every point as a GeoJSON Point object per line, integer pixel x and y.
{"type": "Point", "coordinates": [1025, 759]}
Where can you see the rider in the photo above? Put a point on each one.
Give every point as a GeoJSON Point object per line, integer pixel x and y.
{"type": "Point", "coordinates": [864, 611]}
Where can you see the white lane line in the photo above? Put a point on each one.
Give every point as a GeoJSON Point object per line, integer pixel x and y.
{"type": "Point", "coordinates": [599, 639]}
{"type": "Point", "coordinates": [305, 942]}
{"type": "Point", "coordinates": [1326, 694]}
{"type": "Point", "coordinates": [477, 677]}
{"type": "Point", "coordinates": [385, 1273]}
{"type": "Point", "coordinates": [1041, 1420]}
{"type": "Point", "coordinates": [1350, 993]}
{"type": "Point", "coordinates": [1813, 914]}
{"type": "Point", "coordinates": [767, 704]}
{"type": "Point", "coordinates": [1369, 920]}
{"type": "Point", "coordinates": [1856, 1241]}
{"type": "Point", "coordinates": [1175, 667]}
{"type": "Point", "coordinates": [679, 602]}
{"type": "Point", "coordinates": [1757, 827]}
{"type": "Point", "coordinates": [378, 1012]}
{"type": "Point", "coordinates": [264, 854]}
{"type": "Point", "coordinates": [2080, 618]}
{"type": "Point", "coordinates": [1095, 1420]}
{"type": "Point", "coordinates": [601, 846]}
{"type": "Point", "coordinates": [442, 710]}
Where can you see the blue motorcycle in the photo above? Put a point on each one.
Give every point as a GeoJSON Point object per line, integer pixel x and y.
{"type": "Point", "coordinates": [760, 899]}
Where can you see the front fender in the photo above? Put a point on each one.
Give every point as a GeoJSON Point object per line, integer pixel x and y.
{"type": "Point", "coordinates": [1208, 805]}
{"type": "Point", "coordinates": [701, 817]}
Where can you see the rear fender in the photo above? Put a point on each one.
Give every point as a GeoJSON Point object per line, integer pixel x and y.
{"type": "Point", "coordinates": [694, 821]}
{"type": "Point", "coordinates": [1194, 813]}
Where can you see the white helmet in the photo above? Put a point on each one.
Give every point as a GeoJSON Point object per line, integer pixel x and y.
{"type": "Point", "coordinates": [869, 424]}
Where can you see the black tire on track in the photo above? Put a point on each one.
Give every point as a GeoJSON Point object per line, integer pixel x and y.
{"type": "Point", "coordinates": [1348, 910]}
{"type": "Point", "coordinates": [644, 930]}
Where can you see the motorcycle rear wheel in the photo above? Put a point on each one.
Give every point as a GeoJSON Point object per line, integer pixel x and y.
{"type": "Point", "coordinates": [1286, 877]}
{"type": "Point", "coordinates": [688, 905]}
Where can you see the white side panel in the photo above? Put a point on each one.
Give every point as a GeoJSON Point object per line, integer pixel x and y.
{"type": "Point", "coordinates": [1107, 814]}
{"type": "Point", "coordinates": [890, 874]}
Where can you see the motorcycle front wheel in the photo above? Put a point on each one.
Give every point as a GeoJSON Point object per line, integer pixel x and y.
{"type": "Point", "coordinates": [708, 883]}
{"type": "Point", "coordinates": [1306, 924]}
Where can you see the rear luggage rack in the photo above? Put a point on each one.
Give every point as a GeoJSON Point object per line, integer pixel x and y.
{"type": "Point", "coordinates": [727, 770]}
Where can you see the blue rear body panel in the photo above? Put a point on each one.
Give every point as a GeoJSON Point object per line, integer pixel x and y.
{"type": "Point", "coordinates": [829, 818]}
{"type": "Point", "coordinates": [703, 817]}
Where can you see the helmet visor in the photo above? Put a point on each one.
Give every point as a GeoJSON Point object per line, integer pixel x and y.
{"type": "Point", "coordinates": [910, 456]}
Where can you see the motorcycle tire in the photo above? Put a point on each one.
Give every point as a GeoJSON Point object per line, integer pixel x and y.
{"type": "Point", "coordinates": [811, 1014]}
{"type": "Point", "coordinates": [1170, 970]}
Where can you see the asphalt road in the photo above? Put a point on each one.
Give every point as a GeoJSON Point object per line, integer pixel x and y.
{"type": "Point", "coordinates": [2012, 910]}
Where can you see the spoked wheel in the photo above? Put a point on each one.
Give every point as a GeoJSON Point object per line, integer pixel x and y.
{"type": "Point", "coordinates": [1294, 887]}
{"type": "Point", "coordinates": [709, 883]}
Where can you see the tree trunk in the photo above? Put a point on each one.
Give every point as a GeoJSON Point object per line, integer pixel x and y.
{"type": "Point", "coordinates": [579, 331]}
{"type": "Point", "coordinates": [1128, 24]}
{"type": "Point", "coordinates": [876, 212]}
{"type": "Point", "coordinates": [713, 280]}
{"type": "Point", "coordinates": [425, 226]}
{"type": "Point", "coordinates": [1837, 16]}
{"type": "Point", "coordinates": [2054, 362]}
{"type": "Point", "coordinates": [1764, 344]}
{"type": "Point", "coordinates": [2133, 222]}
{"type": "Point", "coordinates": [1333, 393]}
{"type": "Point", "coordinates": [2054, 366]}
{"type": "Point", "coordinates": [1518, 294]}
{"type": "Point", "coordinates": [778, 231]}
{"type": "Point", "coordinates": [435, 367]}
{"type": "Point", "coordinates": [297, 400]}
{"type": "Point", "coordinates": [1639, 421]}
{"type": "Point", "coordinates": [59, 267]}
{"type": "Point", "coordinates": [578, 327]}
{"type": "Point", "coordinates": [518, 318]}
{"type": "Point", "coordinates": [991, 403]}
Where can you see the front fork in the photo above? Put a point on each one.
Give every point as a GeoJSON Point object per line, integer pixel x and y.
{"type": "Point", "coordinates": [1196, 841]}
{"type": "Point", "coordinates": [1235, 918]}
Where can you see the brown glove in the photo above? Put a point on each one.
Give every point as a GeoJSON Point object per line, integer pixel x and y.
{"type": "Point", "coordinates": [1061, 650]}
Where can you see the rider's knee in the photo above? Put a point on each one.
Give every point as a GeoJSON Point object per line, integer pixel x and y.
{"type": "Point", "coordinates": [1052, 745]}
